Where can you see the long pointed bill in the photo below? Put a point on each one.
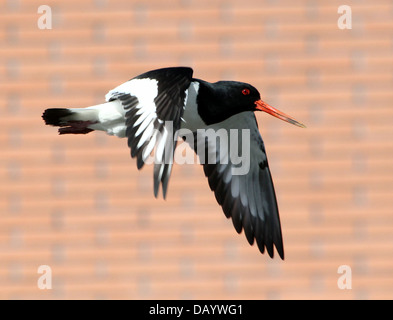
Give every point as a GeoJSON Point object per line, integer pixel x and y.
{"type": "Point", "coordinates": [263, 106]}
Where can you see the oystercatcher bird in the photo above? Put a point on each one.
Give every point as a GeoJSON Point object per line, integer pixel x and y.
{"type": "Point", "coordinates": [154, 108]}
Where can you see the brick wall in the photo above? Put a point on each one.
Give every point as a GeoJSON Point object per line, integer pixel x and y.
{"type": "Point", "coordinates": [79, 205]}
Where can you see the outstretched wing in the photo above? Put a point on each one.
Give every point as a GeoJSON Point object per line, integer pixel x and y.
{"type": "Point", "coordinates": [154, 103]}
{"type": "Point", "coordinates": [239, 175]}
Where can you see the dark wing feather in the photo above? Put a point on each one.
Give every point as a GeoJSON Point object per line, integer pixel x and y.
{"type": "Point", "coordinates": [153, 125]}
{"type": "Point", "coordinates": [248, 199]}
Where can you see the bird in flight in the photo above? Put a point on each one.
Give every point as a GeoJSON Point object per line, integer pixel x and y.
{"type": "Point", "coordinates": [154, 109]}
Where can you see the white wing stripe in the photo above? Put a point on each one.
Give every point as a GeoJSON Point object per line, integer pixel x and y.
{"type": "Point", "coordinates": [149, 148]}
{"type": "Point", "coordinates": [146, 134]}
{"type": "Point", "coordinates": [161, 146]}
{"type": "Point", "coordinates": [145, 124]}
{"type": "Point", "coordinates": [141, 118]}
{"type": "Point", "coordinates": [144, 89]}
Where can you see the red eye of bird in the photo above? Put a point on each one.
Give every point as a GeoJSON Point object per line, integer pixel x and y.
{"type": "Point", "coordinates": [246, 92]}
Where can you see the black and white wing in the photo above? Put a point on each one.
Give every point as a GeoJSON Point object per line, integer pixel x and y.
{"type": "Point", "coordinates": [245, 192]}
{"type": "Point", "coordinates": [154, 103]}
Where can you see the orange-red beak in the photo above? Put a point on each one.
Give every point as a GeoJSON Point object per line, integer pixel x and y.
{"type": "Point", "coordinates": [263, 106]}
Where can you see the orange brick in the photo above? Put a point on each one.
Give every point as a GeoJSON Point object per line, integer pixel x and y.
{"type": "Point", "coordinates": [79, 204]}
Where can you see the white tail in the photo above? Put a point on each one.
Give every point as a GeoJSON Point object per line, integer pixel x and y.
{"type": "Point", "coordinates": [108, 117]}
